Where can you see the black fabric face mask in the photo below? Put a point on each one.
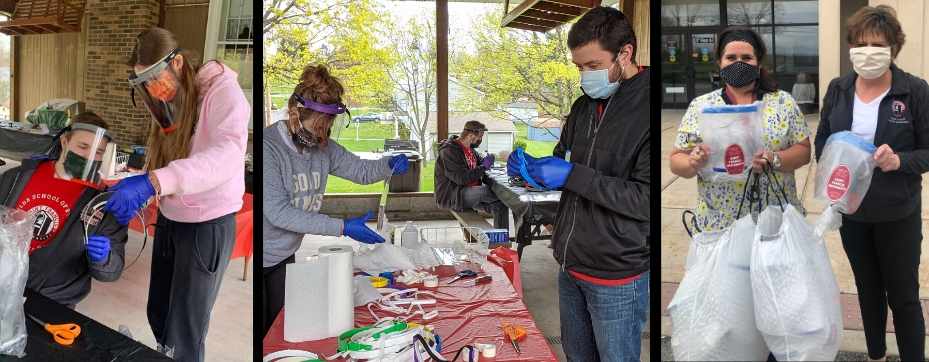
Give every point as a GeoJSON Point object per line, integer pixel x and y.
{"type": "Point", "coordinates": [739, 74]}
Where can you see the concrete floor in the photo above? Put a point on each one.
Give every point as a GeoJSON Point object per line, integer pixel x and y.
{"type": "Point", "coordinates": [679, 194]}
{"type": "Point", "coordinates": [122, 304]}
{"type": "Point", "coordinates": [539, 271]}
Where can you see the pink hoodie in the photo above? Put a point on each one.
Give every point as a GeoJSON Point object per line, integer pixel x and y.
{"type": "Point", "coordinates": [211, 181]}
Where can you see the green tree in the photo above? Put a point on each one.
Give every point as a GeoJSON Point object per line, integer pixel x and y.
{"type": "Point", "coordinates": [340, 34]}
{"type": "Point", "coordinates": [511, 65]}
{"type": "Point", "coordinates": [413, 74]}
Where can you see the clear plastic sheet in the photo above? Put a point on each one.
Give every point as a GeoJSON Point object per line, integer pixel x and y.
{"type": "Point", "coordinates": [15, 235]}
{"type": "Point", "coordinates": [843, 176]}
{"type": "Point", "coordinates": [732, 134]}
{"type": "Point", "coordinates": [712, 313]}
{"type": "Point", "coordinates": [796, 297]}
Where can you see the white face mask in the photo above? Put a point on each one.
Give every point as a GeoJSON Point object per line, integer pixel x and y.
{"type": "Point", "coordinates": [870, 62]}
{"type": "Point", "coordinates": [596, 83]}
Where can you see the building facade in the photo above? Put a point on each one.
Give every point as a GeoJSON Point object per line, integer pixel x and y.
{"type": "Point", "coordinates": [689, 29]}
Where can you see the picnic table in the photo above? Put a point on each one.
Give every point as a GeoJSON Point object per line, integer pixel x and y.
{"type": "Point", "coordinates": [531, 209]}
{"type": "Point", "coordinates": [467, 314]}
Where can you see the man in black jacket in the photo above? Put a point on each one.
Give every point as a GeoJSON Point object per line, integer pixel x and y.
{"type": "Point", "coordinates": [62, 260]}
{"type": "Point", "coordinates": [602, 164]}
{"type": "Point", "coordinates": [459, 176]}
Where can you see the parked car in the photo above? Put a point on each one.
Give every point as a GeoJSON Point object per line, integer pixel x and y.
{"type": "Point", "coordinates": [365, 118]}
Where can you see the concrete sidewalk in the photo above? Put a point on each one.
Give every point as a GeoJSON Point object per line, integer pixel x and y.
{"type": "Point", "coordinates": [678, 194]}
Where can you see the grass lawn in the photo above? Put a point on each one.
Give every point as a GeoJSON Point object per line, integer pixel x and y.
{"type": "Point", "coordinates": [535, 148]}
{"type": "Point", "coordinates": [427, 181]}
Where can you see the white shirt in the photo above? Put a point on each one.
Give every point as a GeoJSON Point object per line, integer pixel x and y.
{"type": "Point", "coordinates": [864, 116]}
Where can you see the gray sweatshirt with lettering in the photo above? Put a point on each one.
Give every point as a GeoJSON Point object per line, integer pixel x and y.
{"type": "Point", "coordinates": [293, 187]}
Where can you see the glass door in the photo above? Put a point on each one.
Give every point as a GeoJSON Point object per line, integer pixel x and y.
{"type": "Point", "coordinates": [704, 69]}
{"type": "Point", "coordinates": [674, 74]}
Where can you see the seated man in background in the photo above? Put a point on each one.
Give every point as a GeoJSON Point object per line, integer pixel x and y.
{"type": "Point", "coordinates": [54, 189]}
{"type": "Point", "coordinates": [459, 176]}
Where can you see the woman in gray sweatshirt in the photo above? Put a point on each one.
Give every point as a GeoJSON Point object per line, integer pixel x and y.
{"type": "Point", "coordinates": [298, 158]}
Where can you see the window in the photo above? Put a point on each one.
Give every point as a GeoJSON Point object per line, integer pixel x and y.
{"type": "Point", "coordinates": [689, 12]}
{"type": "Point", "coordinates": [796, 11]}
{"type": "Point", "coordinates": [749, 12]}
{"type": "Point", "coordinates": [234, 46]}
{"type": "Point", "coordinates": [6, 75]}
{"type": "Point", "coordinates": [797, 55]}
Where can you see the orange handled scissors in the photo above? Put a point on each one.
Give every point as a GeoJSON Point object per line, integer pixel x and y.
{"type": "Point", "coordinates": [64, 334]}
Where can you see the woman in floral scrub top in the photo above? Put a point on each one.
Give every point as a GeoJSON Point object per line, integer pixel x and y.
{"type": "Point", "coordinates": [785, 133]}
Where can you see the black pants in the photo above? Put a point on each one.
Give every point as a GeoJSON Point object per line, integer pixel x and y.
{"type": "Point", "coordinates": [885, 261]}
{"type": "Point", "coordinates": [273, 294]}
{"type": "Point", "coordinates": [188, 262]}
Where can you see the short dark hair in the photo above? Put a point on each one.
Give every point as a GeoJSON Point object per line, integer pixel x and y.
{"type": "Point", "coordinates": [878, 20]}
{"type": "Point", "coordinates": [607, 25]}
{"type": "Point", "coordinates": [750, 36]}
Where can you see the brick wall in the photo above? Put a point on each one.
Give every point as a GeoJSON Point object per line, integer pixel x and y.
{"type": "Point", "coordinates": [112, 26]}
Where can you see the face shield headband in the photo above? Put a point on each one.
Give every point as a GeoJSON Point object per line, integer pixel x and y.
{"type": "Point", "coordinates": [156, 92]}
{"type": "Point", "coordinates": [85, 168]}
{"type": "Point", "coordinates": [307, 138]}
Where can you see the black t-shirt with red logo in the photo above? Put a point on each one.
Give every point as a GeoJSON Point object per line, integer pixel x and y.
{"type": "Point", "coordinates": [51, 200]}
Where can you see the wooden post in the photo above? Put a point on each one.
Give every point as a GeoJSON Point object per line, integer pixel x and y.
{"type": "Point", "coordinates": [441, 30]}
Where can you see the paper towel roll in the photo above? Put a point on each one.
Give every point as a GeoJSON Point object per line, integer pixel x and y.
{"type": "Point", "coordinates": [318, 300]}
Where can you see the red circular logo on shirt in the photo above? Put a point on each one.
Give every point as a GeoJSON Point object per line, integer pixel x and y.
{"type": "Point", "coordinates": [46, 220]}
{"type": "Point", "coordinates": [838, 183]}
{"type": "Point", "coordinates": [734, 160]}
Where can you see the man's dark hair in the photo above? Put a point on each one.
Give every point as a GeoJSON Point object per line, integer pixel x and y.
{"type": "Point", "coordinates": [473, 127]}
{"type": "Point", "coordinates": [607, 25]}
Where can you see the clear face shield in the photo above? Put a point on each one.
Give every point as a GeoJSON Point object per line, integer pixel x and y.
{"type": "Point", "coordinates": [82, 154]}
{"type": "Point", "coordinates": [311, 135]}
{"type": "Point", "coordinates": [157, 86]}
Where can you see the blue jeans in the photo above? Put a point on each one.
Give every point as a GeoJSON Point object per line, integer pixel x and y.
{"type": "Point", "coordinates": [602, 323]}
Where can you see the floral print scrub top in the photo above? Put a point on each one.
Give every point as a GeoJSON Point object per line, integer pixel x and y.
{"type": "Point", "coordinates": [718, 201]}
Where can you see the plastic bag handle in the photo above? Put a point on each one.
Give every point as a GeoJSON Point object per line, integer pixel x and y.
{"type": "Point", "coordinates": [751, 185]}
{"type": "Point", "coordinates": [693, 221]}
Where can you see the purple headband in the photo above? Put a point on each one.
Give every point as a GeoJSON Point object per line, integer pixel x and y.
{"type": "Point", "coordinates": [333, 109]}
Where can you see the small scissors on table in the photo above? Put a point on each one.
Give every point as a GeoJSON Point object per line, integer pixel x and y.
{"type": "Point", "coordinates": [64, 334]}
{"type": "Point", "coordinates": [464, 274]}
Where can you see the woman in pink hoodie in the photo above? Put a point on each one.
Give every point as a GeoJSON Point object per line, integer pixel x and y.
{"type": "Point", "coordinates": [195, 167]}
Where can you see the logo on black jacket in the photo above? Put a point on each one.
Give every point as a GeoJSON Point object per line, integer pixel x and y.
{"type": "Point", "coordinates": [46, 221]}
{"type": "Point", "coordinates": [898, 112]}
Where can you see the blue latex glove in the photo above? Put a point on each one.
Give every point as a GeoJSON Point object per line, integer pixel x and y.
{"type": "Point", "coordinates": [128, 197]}
{"type": "Point", "coordinates": [399, 163]}
{"type": "Point", "coordinates": [552, 172]}
{"type": "Point", "coordinates": [488, 162]}
{"type": "Point", "coordinates": [512, 163]}
{"type": "Point", "coordinates": [355, 228]}
{"type": "Point", "coordinates": [98, 248]}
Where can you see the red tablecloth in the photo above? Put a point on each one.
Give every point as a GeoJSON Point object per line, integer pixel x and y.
{"type": "Point", "coordinates": [244, 245]}
{"type": "Point", "coordinates": [467, 314]}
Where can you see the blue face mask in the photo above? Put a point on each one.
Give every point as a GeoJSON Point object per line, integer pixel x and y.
{"type": "Point", "coordinates": [596, 83]}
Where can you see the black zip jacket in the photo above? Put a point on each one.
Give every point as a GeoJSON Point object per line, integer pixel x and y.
{"type": "Point", "coordinates": [903, 124]}
{"type": "Point", "coordinates": [602, 226]}
{"type": "Point", "coordinates": [62, 271]}
{"type": "Point", "coordinates": [452, 174]}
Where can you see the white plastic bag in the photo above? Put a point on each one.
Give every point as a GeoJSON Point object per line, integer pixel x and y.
{"type": "Point", "coordinates": [381, 258]}
{"type": "Point", "coordinates": [712, 312]}
{"type": "Point", "coordinates": [732, 134]}
{"type": "Point", "coordinates": [843, 177]}
{"type": "Point", "coordinates": [15, 235]}
{"type": "Point", "coordinates": [796, 297]}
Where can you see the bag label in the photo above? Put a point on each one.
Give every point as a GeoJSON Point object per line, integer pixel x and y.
{"type": "Point", "coordinates": [838, 183]}
{"type": "Point", "coordinates": [734, 160]}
